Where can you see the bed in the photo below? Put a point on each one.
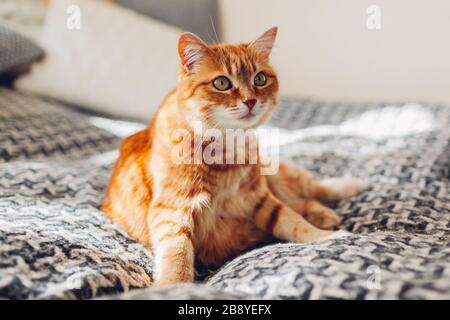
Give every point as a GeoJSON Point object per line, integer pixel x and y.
{"type": "Point", "coordinates": [55, 243]}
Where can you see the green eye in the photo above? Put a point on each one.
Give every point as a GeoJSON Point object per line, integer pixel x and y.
{"type": "Point", "coordinates": [260, 79]}
{"type": "Point", "coordinates": [222, 83]}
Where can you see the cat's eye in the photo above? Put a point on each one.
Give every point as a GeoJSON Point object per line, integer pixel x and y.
{"type": "Point", "coordinates": [260, 79]}
{"type": "Point", "coordinates": [222, 83]}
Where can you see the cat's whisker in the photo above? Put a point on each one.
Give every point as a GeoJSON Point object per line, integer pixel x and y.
{"type": "Point", "coordinates": [214, 29]}
{"type": "Point", "coordinates": [210, 37]}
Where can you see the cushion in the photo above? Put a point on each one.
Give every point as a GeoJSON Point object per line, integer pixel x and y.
{"type": "Point", "coordinates": [118, 62]}
{"type": "Point", "coordinates": [16, 51]}
{"type": "Point", "coordinates": [24, 16]}
{"type": "Point", "coordinates": [198, 16]}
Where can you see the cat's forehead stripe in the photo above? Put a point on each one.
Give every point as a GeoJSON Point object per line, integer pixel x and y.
{"type": "Point", "coordinates": [237, 60]}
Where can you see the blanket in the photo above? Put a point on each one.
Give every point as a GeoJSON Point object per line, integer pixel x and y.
{"type": "Point", "coordinates": [55, 243]}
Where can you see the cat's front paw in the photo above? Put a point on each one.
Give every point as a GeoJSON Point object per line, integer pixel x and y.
{"type": "Point", "coordinates": [161, 283]}
{"type": "Point", "coordinates": [173, 278]}
{"type": "Point", "coordinates": [344, 187]}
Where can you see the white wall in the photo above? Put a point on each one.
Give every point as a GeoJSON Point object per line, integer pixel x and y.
{"type": "Point", "coordinates": [325, 50]}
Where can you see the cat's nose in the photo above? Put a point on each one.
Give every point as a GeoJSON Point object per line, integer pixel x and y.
{"type": "Point", "coordinates": [250, 103]}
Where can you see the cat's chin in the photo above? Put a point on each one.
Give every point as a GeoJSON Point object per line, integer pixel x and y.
{"type": "Point", "coordinates": [244, 123]}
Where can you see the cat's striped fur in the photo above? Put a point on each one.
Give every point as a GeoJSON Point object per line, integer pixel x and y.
{"type": "Point", "coordinates": [213, 212]}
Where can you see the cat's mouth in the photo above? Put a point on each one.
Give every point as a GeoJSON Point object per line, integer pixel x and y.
{"type": "Point", "coordinates": [248, 116]}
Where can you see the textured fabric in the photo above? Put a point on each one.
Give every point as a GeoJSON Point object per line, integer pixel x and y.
{"type": "Point", "coordinates": [16, 51]}
{"type": "Point", "coordinates": [55, 243]}
{"type": "Point", "coordinates": [400, 247]}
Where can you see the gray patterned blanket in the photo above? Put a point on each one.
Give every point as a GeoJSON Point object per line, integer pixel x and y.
{"type": "Point", "coordinates": [55, 243]}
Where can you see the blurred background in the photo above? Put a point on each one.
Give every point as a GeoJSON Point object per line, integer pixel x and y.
{"type": "Point", "coordinates": [325, 49]}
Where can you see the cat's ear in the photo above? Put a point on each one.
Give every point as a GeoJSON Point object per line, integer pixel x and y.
{"type": "Point", "coordinates": [265, 41]}
{"type": "Point", "coordinates": [192, 50]}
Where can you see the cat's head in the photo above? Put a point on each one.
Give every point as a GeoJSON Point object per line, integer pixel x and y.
{"type": "Point", "coordinates": [227, 86]}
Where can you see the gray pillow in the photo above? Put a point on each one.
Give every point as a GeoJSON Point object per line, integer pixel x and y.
{"type": "Point", "coordinates": [16, 52]}
{"type": "Point", "coordinates": [198, 16]}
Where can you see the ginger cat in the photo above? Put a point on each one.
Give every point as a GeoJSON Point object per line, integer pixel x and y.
{"type": "Point", "coordinates": [215, 211]}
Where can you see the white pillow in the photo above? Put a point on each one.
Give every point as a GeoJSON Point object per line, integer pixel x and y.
{"type": "Point", "coordinates": [118, 62]}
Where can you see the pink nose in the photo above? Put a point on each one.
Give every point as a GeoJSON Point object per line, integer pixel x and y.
{"type": "Point", "coordinates": [250, 103]}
